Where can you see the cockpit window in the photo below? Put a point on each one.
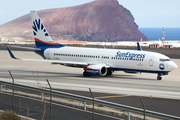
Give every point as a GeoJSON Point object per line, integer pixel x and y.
{"type": "Point", "coordinates": [163, 60]}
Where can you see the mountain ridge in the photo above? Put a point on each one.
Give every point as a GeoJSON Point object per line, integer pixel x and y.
{"type": "Point", "coordinates": [94, 21]}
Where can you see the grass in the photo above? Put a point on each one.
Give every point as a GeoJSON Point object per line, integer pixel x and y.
{"type": "Point", "coordinates": [9, 115]}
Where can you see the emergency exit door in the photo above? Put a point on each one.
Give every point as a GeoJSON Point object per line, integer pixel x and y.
{"type": "Point", "coordinates": [151, 61]}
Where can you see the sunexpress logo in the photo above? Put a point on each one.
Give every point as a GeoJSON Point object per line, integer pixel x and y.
{"type": "Point", "coordinates": [37, 26]}
{"type": "Point", "coordinates": [130, 55]}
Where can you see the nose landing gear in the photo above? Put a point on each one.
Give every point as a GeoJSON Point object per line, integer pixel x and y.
{"type": "Point", "coordinates": [159, 77]}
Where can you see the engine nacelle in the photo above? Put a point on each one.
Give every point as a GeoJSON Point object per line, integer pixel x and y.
{"type": "Point", "coordinates": [96, 70]}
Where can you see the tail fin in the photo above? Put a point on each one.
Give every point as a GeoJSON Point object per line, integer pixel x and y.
{"type": "Point", "coordinates": [138, 46]}
{"type": "Point", "coordinates": [41, 35]}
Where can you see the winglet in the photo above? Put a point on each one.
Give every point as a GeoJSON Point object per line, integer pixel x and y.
{"type": "Point", "coordinates": [11, 54]}
{"type": "Point", "coordinates": [138, 46]}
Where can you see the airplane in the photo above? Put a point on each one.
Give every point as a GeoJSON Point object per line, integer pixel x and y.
{"type": "Point", "coordinates": [96, 61]}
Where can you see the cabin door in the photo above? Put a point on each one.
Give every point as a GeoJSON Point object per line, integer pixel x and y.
{"type": "Point", "coordinates": [151, 61]}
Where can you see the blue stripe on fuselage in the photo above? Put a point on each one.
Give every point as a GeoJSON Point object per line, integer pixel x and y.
{"type": "Point", "coordinates": [44, 47]}
{"type": "Point", "coordinates": [40, 44]}
{"type": "Point", "coordinates": [138, 70]}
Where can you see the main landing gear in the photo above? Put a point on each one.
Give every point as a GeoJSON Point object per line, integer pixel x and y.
{"type": "Point", "coordinates": [159, 77]}
{"type": "Point", "coordinates": [85, 74]}
{"type": "Point", "coordinates": [109, 72]}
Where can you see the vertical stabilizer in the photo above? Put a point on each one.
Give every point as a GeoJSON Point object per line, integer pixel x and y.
{"type": "Point", "coordinates": [41, 35]}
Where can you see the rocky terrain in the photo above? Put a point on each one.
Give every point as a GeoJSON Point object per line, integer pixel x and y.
{"type": "Point", "coordinates": [94, 21]}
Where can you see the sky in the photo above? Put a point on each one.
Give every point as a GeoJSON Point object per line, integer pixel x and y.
{"type": "Point", "coordinates": [147, 13]}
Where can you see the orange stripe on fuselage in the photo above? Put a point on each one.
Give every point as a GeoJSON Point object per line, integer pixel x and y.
{"type": "Point", "coordinates": [92, 69]}
{"type": "Point", "coordinates": [49, 43]}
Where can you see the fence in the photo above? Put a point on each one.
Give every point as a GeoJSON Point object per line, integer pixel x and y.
{"type": "Point", "coordinates": [96, 101]}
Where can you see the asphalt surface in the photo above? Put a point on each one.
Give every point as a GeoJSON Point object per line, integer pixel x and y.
{"type": "Point", "coordinates": [35, 109]}
{"type": "Point", "coordinates": [168, 106]}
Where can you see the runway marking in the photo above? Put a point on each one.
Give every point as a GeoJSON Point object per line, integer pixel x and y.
{"type": "Point", "coordinates": [112, 96]}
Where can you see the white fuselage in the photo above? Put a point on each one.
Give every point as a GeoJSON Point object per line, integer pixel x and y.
{"type": "Point", "coordinates": [118, 59]}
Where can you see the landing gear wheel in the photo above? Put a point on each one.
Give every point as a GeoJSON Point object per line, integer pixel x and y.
{"type": "Point", "coordinates": [109, 72]}
{"type": "Point", "coordinates": [85, 74]}
{"type": "Point", "coordinates": [159, 77]}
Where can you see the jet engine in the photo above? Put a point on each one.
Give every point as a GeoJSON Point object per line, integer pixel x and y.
{"type": "Point", "coordinates": [95, 70]}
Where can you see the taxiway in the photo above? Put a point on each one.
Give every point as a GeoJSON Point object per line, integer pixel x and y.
{"type": "Point", "coordinates": [67, 78]}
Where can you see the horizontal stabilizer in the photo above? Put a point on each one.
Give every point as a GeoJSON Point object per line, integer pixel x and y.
{"type": "Point", "coordinates": [28, 48]}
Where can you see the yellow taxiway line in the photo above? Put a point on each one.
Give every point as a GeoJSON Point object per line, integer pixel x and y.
{"type": "Point", "coordinates": [112, 96]}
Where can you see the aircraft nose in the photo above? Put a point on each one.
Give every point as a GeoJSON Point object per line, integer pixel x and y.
{"type": "Point", "coordinates": [173, 66]}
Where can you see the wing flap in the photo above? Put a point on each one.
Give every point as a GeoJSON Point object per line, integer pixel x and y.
{"type": "Point", "coordinates": [56, 62]}
{"type": "Point", "coordinates": [70, 63]}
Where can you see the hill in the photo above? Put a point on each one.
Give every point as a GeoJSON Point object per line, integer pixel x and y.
{"type": "Point", "coordinates": [94, 21]}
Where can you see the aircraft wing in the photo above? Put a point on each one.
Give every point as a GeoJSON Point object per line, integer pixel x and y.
{"type": "Point", "coordinates": [51, 61]}
{"type": "Point", "coordinates": [69, 63]}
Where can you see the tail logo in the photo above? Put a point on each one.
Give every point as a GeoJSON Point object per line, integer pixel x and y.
{"type": "Point", "coordinates": [38, 26]}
